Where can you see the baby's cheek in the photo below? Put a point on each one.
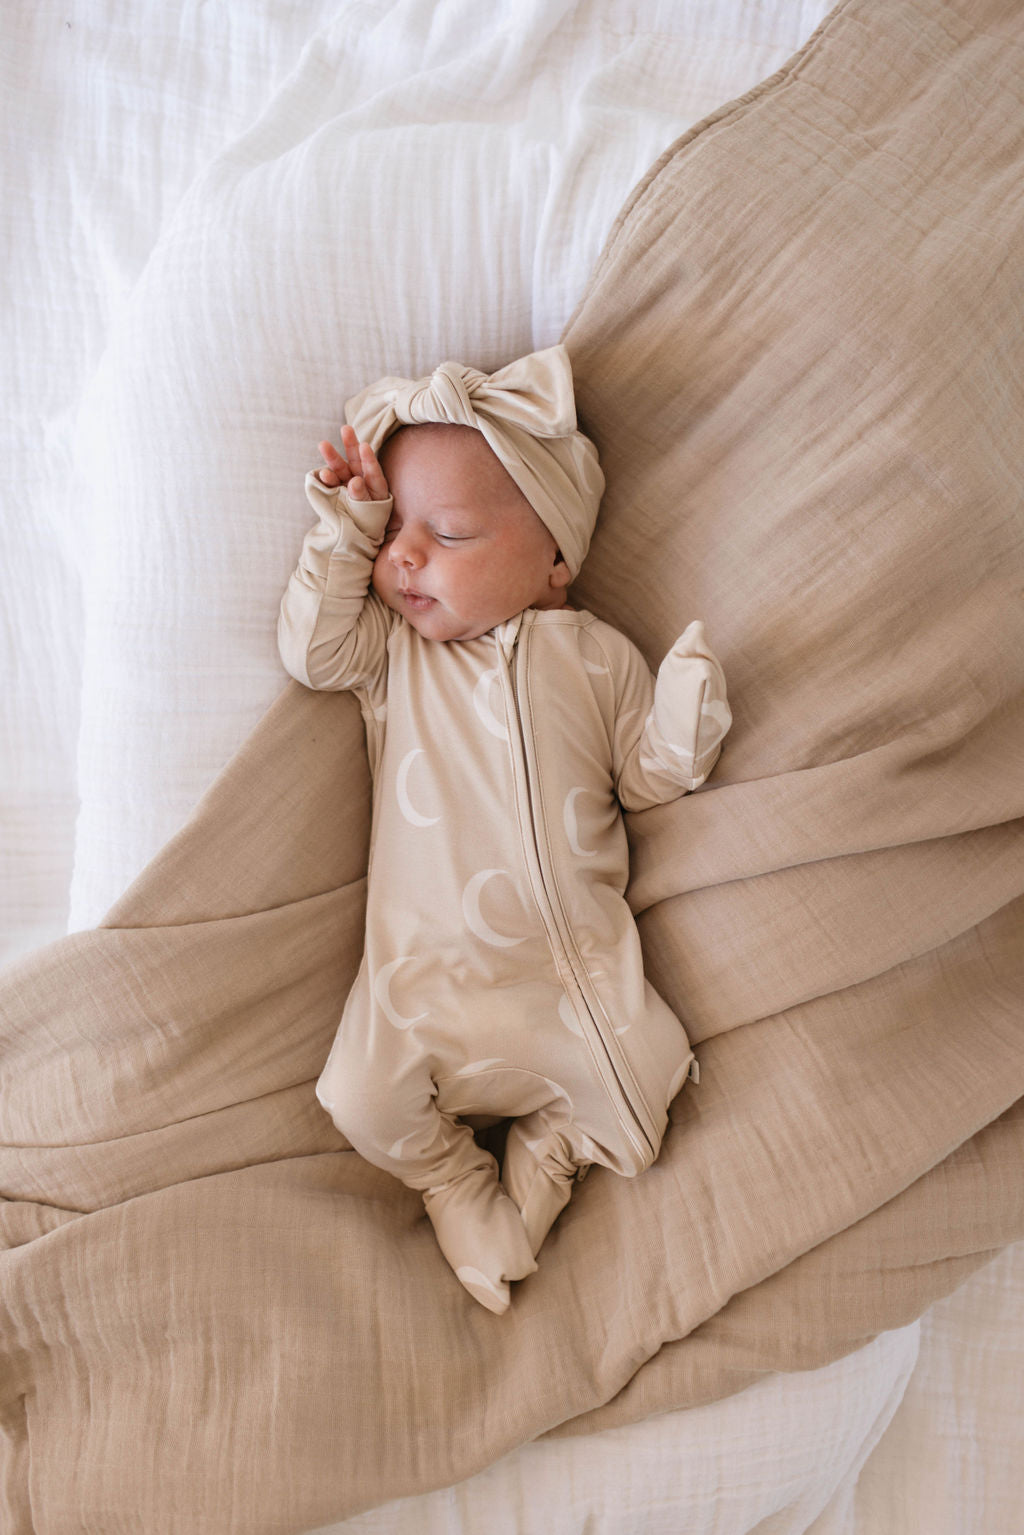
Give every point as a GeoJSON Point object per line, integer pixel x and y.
{"type": "Point", "coordinates": [380, 573]}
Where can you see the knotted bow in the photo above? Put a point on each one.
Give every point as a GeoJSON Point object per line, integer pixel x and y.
{"type": "Point", "coordinates": [527, 413]}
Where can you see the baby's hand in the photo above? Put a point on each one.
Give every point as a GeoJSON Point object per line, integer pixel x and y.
{"type": "Point", "coordinates": [358, 470]}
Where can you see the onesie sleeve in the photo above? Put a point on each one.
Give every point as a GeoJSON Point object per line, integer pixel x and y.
{"type": "Point", "coordinates": [672, 727]}
{"type": "Point", "coordinates": [333, 630]}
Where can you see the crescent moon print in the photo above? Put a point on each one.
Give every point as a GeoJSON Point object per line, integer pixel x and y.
{"type": "Point", "coordinates": [588, 1150]}
{"type": "Point", "coordinates": [405, 805]}
{"type": "Point", "coordinates": [470, 1277]}
{"type": "Point", "coordinates": [382, 992]}
{"type": "Point", "coordinates": [475, 919]}
{"type": "Point", "coordinates": [482, 704]}
{"type": "Point", "coordinates": [402, 1147]}
{"type": "Point", "coordinates": [572, 826]}
{"type": "Point", "coordinates": [567, 1014]}
{"type": "Point", "coordinates": [719, 712]}
{"type": "Point", "coordinates": [477, 1066]}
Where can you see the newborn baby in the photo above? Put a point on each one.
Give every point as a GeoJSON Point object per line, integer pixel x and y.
{"type": "Point", "coordinates": [502, 973]}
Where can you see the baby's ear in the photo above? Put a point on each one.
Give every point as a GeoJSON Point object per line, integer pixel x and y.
{"type": "Point", "coordinates": [560, 571]}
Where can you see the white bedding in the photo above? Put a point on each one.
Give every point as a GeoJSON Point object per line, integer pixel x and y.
{"type": "Point", "coordinates": [219, 221]}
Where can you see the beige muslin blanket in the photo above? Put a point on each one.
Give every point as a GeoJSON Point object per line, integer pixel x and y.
{"type": "Point", "coordinates": [801, 360]}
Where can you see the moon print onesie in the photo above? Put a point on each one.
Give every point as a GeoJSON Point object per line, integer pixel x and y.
{"type": "Point", "coordinates": [502, 973]}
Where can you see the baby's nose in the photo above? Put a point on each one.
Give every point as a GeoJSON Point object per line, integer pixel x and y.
{"type": "Point", "coordinates": [404, 550]}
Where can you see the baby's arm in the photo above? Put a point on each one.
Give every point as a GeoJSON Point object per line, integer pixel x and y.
{"type": "Point", "coordinates": [332, 632]}
{"type": "Point", "coordinates": [672, 726]}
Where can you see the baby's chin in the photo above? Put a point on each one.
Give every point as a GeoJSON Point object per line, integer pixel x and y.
{"type": "Point", "coordinates": [434, 622]}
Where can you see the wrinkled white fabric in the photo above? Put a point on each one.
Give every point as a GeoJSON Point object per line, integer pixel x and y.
{"type": "Point", "coordinates": [192, 215]}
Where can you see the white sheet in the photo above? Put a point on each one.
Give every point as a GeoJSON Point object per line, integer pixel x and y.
{"type": "Point", "coordinates": [219, 221]}
{"type": "Point", "coordinates": [951, 1463]}
{"type": "Point", "coordinates": [108, 111]}
{"type": "Point", "coordinates": [770, 1459]}
{"type": "Point", "coordinates": [427, 180]}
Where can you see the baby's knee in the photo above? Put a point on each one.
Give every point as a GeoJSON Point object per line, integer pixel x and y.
{"type": "Point", "coordinates": [394, 1123]}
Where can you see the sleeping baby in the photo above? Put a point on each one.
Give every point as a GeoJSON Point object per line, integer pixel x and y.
{"type": "Point", "coordinates": [502, 976]}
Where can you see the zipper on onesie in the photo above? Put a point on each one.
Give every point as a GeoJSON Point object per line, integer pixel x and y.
{"type": "Point", "coordinates": [612, 1067]}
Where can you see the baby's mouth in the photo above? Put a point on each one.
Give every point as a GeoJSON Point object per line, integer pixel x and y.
{"type": "Point", "coordinates": [413, 599]}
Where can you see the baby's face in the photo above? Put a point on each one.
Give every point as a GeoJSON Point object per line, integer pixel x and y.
{"type": "Point", "coordinates": [464, 550]}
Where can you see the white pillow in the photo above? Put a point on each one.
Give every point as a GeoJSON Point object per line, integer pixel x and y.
{"type": "Point", "coordinates": [431, 181]}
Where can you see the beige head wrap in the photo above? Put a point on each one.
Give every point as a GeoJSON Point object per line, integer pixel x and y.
{"type": "Point", "coordinates": [527, 413]}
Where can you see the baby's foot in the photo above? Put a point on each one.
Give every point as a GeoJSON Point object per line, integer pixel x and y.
{"type": "Point", "coordinates": [482, 1235]}
{"type": "Point", "coordinates": [492, 1293]}
{"type": "Point", "coordinates": [538, 1176]}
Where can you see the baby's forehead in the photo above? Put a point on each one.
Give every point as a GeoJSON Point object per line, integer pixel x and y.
{"type": "Point", "coordinates": [429, 439]}
{"type": "Point", "coordinates": [456, 463]}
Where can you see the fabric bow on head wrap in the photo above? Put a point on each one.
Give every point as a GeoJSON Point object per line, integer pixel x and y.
{"type": "Point", "coordinates": [527, 413]}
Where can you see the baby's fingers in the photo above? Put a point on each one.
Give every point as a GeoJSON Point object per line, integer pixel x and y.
{"type": "Point", "coordinates": [373, 474]}
{"type": "Point", "coordinates": [356, 468]}
{"type": "Point", "coordinates": [337, 471]}
{"type": "Point", "coordinates": [350, 446]}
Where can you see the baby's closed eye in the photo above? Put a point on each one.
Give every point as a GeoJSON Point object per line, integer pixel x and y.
{"type": "Point", "coordinates": [445, 534]}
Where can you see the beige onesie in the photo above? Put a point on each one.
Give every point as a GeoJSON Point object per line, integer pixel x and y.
{"type": "Point", "coordinates": [502, 973]}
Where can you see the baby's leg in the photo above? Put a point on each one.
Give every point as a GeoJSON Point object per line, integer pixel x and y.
{"type": "Point", "coordinates": [538, 1172]}
{"type": "Point", "coordinates": [396, 1125]}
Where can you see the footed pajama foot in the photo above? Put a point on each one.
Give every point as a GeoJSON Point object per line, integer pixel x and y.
{"type": "Point", "coordinates": [482, 1235]}
{"type": "Point", "coordinates": [538, 1175]}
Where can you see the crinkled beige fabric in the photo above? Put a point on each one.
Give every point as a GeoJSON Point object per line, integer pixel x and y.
{"type": "Point", "coordinates": [526, 411]}
{"type": "Point", "coordinates": [801, 360]}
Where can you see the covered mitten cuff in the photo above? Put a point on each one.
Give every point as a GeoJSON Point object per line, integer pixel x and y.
{"type": "Point", "coordinates": [691, 713]}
